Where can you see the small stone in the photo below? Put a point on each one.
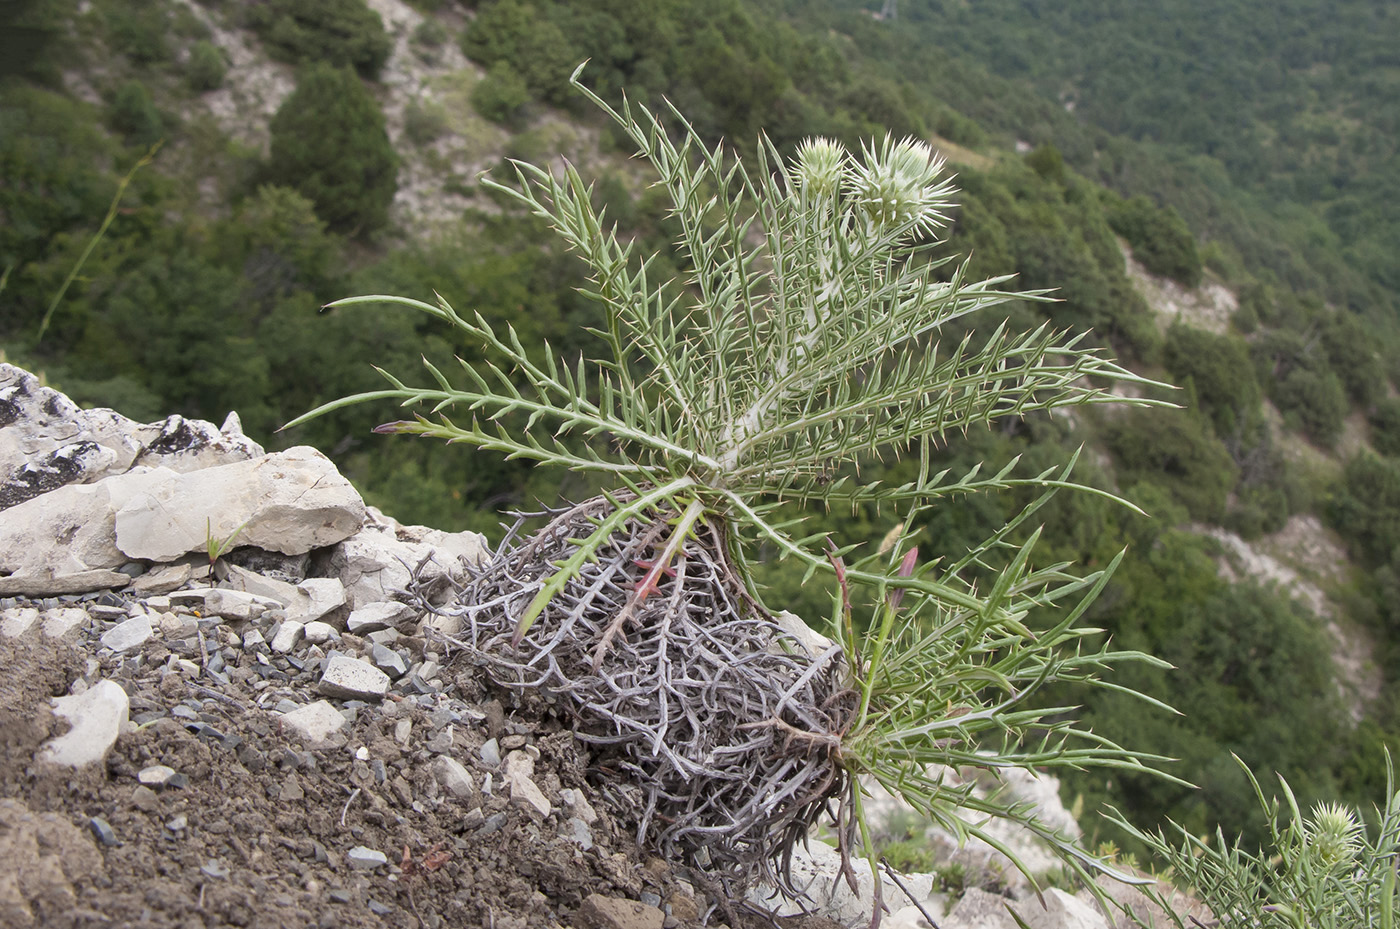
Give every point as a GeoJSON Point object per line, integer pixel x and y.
{"type": "Point", "coordinates": [511, 742]}
{"type": "Point", "coordinates": [493, 823]}
{"type": "Point", "coordinates": [648, 898]}
{"type": "Point", "coordinates": [178, 823]}
{"type": "Point", "coordinates": [253, 641]}
{"type": "Point", "coordinates": [456, 779]}
{"type": "Point", "coordinates": [322, 595]}
{"type": "Point", "coordinates": [338, 895]}
{"type": "Point", "coordinates": [16, 621]}
{"type": "Point", "coordinates": [526, 795]}
{"type": "Point", "coordinates": [379, 909]}
{"type": "Point", "coordinates": [144, 798]}
{"type": "Point", "coordinates": [473, 818]}
{"type": "Point", "coordinates": [402, 729]}
{"type": "Point", "coordinates": [361, 858]}
{"type": "Point", "coordinates": [384, 637]}
{"type": "Point", "coordinates": [60, 623]}
{"type": "Point", "coordinates": [389, 661]}
{"type": "Point", "coordinates": [490, 753]}
{"type": "Point", "coordinates": [157, 775]}
{"type": "Point", "coordinates": [291, 790]}
{"type": "Point", "coordinates": [519, 762]}
{"type": "Point", "coordinates": [578, 830]}
{"type": "Point", "coordinates": [314, 724]}
{"type": "Point", "coordinates": [128, 635]}
{"type": "Point", "coordinates": [350, 678]}
{"type": "Point", "coordinates": [287, 636]}
{"type": "Point", "coordinates": [600, 912]}
{"type": "Point", "coordinates": [215, 869]}
{"type": "Point", "coordinates": [578, 804]}
{"type": "Point", "coordinates": [237, 605]}
{"type": "Point", "coordinates": [161, 580]}
{"type": "Point", "coordinates": [317, 632]}
{"type": "Point", "coordinates": [97, 716]}
{"type": "Point", "coordinates": [373, 617]}
{"type": "Point", "coordinates": [102, 831]}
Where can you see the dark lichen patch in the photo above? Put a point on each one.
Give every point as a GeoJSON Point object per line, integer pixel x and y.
{"type": "Point", "coordinates": [62, 466]}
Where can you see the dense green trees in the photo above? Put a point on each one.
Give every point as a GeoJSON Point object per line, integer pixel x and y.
{"type": "Point", "coordinates": [335, 32]}
{"type": "Point", "coordinates": [329, 143]}
{"type": "Point", "coordinates": [1159, 238]}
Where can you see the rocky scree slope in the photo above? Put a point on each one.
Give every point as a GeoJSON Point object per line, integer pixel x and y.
{"type": "Point", "coordinates": [282, 736]}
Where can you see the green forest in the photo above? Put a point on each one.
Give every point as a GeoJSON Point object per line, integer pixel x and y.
{"type": "Point", "coordinates": [167, 243]}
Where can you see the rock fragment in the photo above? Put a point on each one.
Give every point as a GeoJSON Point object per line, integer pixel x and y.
{"type": "Point", "coordinates": [97, 716]}
{"type": "Point", "coordinates": [373, 617]}
{"type": "Point", "coordinates": [361, 858]}
{"type": "Point", "coordinates": [288, 502]}
{"type": "Point", "coordinates": [352, 679]}
{"type": "Point", "coordinates": [453, 777]}
{"type": "Point", "coordinates": [128, 635]}
{"type": "Point", "coordinates": [600, 912]}
{"type": "Point", "coordinates": [526, 795]}
{"type": "Point", "coordinates": [314, 724]}
{"type": "Point", "coordinates": [288, 634]}
{"type": "Point", "coordinates": [157, 775]}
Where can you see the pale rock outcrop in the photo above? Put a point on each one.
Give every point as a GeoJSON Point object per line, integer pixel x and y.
{"type": "Point", "coordinates": [288, 502]}
{"type": "Point", "coordinates": [97, 716]}
{"type": "Point", "coordinates": [47, 442]}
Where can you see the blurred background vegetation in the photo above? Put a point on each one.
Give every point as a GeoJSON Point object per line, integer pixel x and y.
{"type": "Point", "coordinates": [312, 150]}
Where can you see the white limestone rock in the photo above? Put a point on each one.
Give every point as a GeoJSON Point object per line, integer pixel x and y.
{"type": "Point", "coordinates": [288, 634]}
{"type": "Point", "coordinates": [125, 636]}
{"type": "Point", "coordinates": [236, 605]}
{"type": "Point", "coordinates": [526, 795]}
{"type": "Point", "coordinates": [1061, 911]}
{"type": "Point", "coordinates": [61, 622]}
{"type": "Point", "coordinates": [453, 777]}
{"type": "Point", "coordinates": [373, 617]}
{"type": "Point", "coordinates": [289, 502]}
{"type": "Point", "coordinates": [317, 632]}
{"type": "Point", "coordinates": [980, 910]}
{"type": "Point", "coordinates": [318, 598]}
{"type": "Point", "coordinates": [316, 724]}
{"type": "Point", "coordinates": [69, 533]}
{"type": "Point", "coordinates": [269, 588]}
{"type": "Point", "coordinates": [97, 716]}
{"type": "Point", "coordinates": [48, 442]}
{"type": "Point", "coordinates": [817, 866]}
{"type": "Point", "coordinates": [378, 561]}
{"type": "Point", "coordinates": [17, 620]}
{"type": "Point", "coordinates": [352, 679]}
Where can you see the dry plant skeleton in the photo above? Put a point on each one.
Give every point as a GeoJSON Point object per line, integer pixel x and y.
{"type": "Point", "coordinates": [803, 339]}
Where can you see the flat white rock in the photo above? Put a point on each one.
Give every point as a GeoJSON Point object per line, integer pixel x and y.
{"type": "Point", "coordinates": [288, 634]}
{"type": "Point", "coordinates": [317, 632]}
{"type": "Point", "coordinates": [288, 502]}
{"type": "Point", "coordinates": [61, 621]}
{"type": "Point", "coordinates": [17, 620]}
{"type": "Point", "coordinates": [128, 635]}
{"type": "Point", "coordinates": [373, 617]}
{"type": "Point", "coordinates": [317, 597]}
{"type": "Point", "coordinates": [314, 723]}
{"type": "Point", "coordinates": [526, 795]}
{"type": "Point", "coordinates": [453, 777]}
{"type": "Point", "coordinates": [97, 716]}
{"type": "Point", "coordinates": [350, 678]}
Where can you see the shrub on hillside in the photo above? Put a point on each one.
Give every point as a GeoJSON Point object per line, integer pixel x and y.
{"type": "Point", "coordinates": [206, 68]}
{"type": "Point", "coordinates": [329, 144]}
{"type": "Point", "coordinates": [1179, 454]}
{"type": "Point", "coordinates": [1159, 238]}
{"type": "Point", "coordinates": [1313, 401]}
{"type": "Point", "coordinates": [1385, 427]}
{"type": "Point", "coordinates": [1351, 353]}
{"type": "Point", "coordinates": [335, 32]}
{"type": "Point", "coordinates": [501, 96]}
{"type": "Point", "coordinates": [133, 114]}
{"type": "Point", "coordinates": [532, 44]}
{"type": "Point", "coordinates": [1220, 368]}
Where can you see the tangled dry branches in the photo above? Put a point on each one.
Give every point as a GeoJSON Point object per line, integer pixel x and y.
{"type": "Point", "coordinates": [725, 726]}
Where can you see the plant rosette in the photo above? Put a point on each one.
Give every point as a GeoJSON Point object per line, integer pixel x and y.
{"type": "Point", "coordinates": [802, 340]}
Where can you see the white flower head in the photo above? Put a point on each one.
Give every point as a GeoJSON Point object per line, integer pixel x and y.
{"type": "Point", "coordinates": [899, 185]}
{"type": "Point", "coordinates": [819, 167]}
{"type": "Point", "coordinates": [1333, 833]}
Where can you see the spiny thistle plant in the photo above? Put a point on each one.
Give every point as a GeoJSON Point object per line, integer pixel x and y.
{"type": "Point", "coordinates": [1321, 871]}
{"type": "Point", "coordinates": [803, 340]}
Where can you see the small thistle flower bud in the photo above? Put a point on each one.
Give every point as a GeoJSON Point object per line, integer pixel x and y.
{"type": "Point", "coordinates": [898, 185]}
{"type": "Point", "coordinates": [819, 167]}
{"type": "Point", "coordinates": [1332, 834]}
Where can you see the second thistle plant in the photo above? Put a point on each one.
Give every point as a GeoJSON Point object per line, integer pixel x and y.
{"type": "Point", "coordinates": [803, 339]}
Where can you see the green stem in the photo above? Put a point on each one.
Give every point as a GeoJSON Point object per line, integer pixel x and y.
{"type": "Point", "coordinates": [101, 231]}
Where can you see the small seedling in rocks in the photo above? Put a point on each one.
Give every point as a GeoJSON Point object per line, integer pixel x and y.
{"type": "Point", "coordinates": [802, 340]}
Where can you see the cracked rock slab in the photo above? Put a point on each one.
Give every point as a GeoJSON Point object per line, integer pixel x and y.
{"type": "Point", "coordinates": [97, 716]}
